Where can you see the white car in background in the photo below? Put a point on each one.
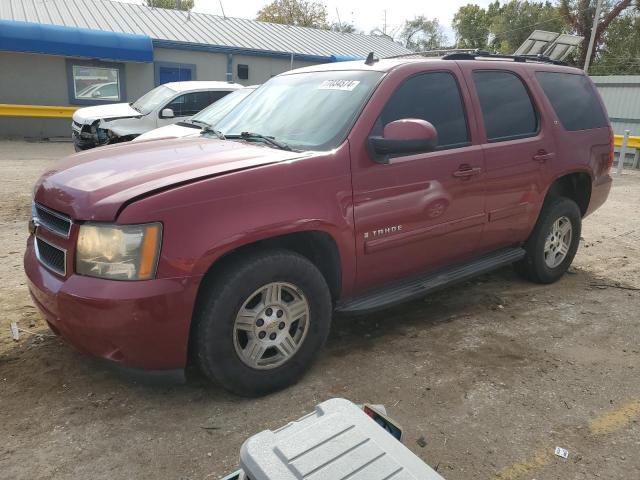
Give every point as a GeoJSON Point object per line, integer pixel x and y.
{"type": "Point", "coordinates": [166, 104]}
{"type": "Point", "coordinates": [208, 117]}
{"type": "Point", "coordinates": [108, 91]}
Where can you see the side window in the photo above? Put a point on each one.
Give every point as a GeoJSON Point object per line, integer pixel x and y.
{"type": "Point", "coordinates": [215, 96]}
{"type": "Point", "coordinates": [506, 106]}
{"type": "Point", "coordinates": [574, 100]}
{"type": "Point", "coordinates": [189, 103]}
{"type": "Point", "coordinates": [434, 97]}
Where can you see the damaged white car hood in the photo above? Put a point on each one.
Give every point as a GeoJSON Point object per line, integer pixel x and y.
{"type": "Point", "coordinates": [88, 115]}
{"type": "Point", "coordinates": [179, 130]}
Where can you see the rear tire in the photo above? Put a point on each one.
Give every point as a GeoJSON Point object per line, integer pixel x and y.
{"type": "Point", "coordinates": [553, 243]}
{"type": "Point", "coordinates": [261, 322]}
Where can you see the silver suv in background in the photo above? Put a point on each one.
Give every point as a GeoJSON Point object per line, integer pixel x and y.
{"type": "Point", "coordinates": [207, 118]}
{"type": "Point", "coordinates": [164, 105]}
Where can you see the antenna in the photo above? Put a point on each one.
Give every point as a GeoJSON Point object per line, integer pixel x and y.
{"type": "Point", "coordinates": [222, 8]}
{"type": "Point", "coordinates": [370, 59]}
{"type": "Point", "coordinates": [339, 22]}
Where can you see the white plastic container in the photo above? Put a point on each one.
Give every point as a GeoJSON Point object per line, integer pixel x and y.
{"type": "Point", "coordinates": [336, 441]}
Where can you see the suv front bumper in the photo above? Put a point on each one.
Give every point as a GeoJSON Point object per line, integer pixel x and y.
{"type": "Point", "coordinates": [137, 324]}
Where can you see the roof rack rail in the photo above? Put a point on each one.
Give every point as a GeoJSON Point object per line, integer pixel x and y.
{"type": "Point", "coordinates": [473, 54]}
{"type": "Point", "coordinates": [432, 53]}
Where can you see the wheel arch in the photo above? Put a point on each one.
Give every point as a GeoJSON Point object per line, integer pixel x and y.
{"type": "Point", "coordinates": [574, 185]}
{"type": "Point", "coordinates": [318, 246]}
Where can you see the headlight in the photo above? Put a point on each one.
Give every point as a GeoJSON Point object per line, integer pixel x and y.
{"type": "Point", "coordinates": [118, 252]}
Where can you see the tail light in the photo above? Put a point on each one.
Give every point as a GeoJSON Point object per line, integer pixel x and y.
{"type": "Point", "coordinates": [611, 146]}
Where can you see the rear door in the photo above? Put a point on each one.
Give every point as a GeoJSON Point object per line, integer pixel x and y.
{"type": "Point", "coordinates": [517, 143]}
{"type": "Point", "coordinates": [424, 210]}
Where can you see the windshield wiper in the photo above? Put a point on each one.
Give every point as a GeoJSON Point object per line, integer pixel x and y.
{"type": "Point", "coordinates": [132, 105]}
{"type": "Point", "coordinates": [193, 120]}
{"type": "Point", "coordinates": [209, 129]}
{"type": "Point", "coordinates": [266, 139]}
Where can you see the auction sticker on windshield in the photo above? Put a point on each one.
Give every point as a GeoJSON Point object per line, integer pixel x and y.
{"type": "Point", "coordinates": [347, 85]}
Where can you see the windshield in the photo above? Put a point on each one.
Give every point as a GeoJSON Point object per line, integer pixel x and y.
{"type": "Point", "coordinates": [151, 100]}
{"type": "Point", "coordinates": [215, 112]}
{"type": "Point", "coordinates": [307, 111]}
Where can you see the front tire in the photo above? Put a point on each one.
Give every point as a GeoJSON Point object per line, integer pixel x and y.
{"type": "Point", "coordinates": [553, 243]}
{"type": "Point", "coordinates": [262, 322]}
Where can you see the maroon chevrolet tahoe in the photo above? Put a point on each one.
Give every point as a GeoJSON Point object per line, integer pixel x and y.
{"type": "Point", "coordinates": [350, 187]}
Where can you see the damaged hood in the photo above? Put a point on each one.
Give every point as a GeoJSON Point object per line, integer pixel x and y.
{"type": "Point", "coordinates": [175, 130]}
{"type": "Point", "coordinates": [94, 184]}
{"type": "Point", "coordinates": [88, 115]}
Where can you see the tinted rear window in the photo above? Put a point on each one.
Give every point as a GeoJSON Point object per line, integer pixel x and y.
{"type": "Point", "coordinates": [506, 106]}
{"type": "Point", "coordinates": [574, 100]}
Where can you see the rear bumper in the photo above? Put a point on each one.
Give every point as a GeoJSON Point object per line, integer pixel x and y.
{"type": "Point", "coordinates": [600, 189]}
{"type": "Point", "coordinates": [137, 325]}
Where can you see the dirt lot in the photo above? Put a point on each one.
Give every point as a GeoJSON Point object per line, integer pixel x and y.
{"type": "Point", "coordinates": [493, 375]}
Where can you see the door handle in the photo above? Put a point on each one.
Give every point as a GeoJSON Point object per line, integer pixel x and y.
{"type": "Point", "coordinates": [465, 171]}
{"type": "Point", "coordinates": [543, 156]}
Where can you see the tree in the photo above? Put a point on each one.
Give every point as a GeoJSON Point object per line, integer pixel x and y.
{"type": "Point", "coordinates": [471, 25]}
{"type": "Point", "coordinates": [578, 15]}
{"type": "Point", "coordinates": [344, 27]}
{"type": "Point", "coordinates": [301, 13]}
{"type": "Point", "coordinates": [422, 34]}
{"type": "Point", "coordinates": [171, 4]}
{"type": "Point", "coordinates": [514, 21]}
{"type": "Point", "coordinates": [620, 52]}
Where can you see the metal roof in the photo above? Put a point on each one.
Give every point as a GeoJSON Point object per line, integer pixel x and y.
{"type": "Point", "coordinates": [173, 26]}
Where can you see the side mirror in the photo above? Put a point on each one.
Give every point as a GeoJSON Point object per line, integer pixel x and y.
{"type": "Point", "coordinates": [167, 113]}
{"type": "Point", "coordinates": [404, 137]}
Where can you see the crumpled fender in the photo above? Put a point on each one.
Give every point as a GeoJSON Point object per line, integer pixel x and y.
{"type": "Point", "coordinates": [122, 126]}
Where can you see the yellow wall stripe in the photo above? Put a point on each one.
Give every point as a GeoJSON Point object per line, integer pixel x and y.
{"type": "Point", "coordinates": [36, 111]}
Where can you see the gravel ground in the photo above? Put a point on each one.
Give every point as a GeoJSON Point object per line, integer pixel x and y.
{"type": "Point", "coordinates": [492, 374]}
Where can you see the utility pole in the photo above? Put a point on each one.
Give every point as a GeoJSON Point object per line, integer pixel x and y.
{"type": "Point", "coordinates": [592, 39]}
{"type": "Point", "coordinates": [384, 25]}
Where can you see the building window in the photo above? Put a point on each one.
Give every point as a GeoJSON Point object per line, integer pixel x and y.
{"type": "Point", "coordinates": [91, 83]}
{"type": "Point", "coordinates": [243, 72]}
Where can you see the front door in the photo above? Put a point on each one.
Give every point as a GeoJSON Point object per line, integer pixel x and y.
{"type": "Point", "coordinates": [420, 211]}
{"type": "Point", "coordinates": [188, 104]}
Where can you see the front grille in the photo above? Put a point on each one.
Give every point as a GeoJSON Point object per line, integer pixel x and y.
{"type": "Point", "coordinates": [52, 257]}
{"type": "Point", "coordinates": [57, 222]}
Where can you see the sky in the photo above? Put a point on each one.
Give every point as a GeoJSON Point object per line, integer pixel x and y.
{"type": "Point", "coordinates": [364, 14]}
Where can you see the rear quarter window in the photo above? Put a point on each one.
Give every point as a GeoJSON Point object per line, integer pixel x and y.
{"type": "Point", "coordinates": [574, 100]}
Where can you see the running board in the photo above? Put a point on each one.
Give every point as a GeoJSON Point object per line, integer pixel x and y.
{"type": "Point", "coordinates": [405, 290]}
